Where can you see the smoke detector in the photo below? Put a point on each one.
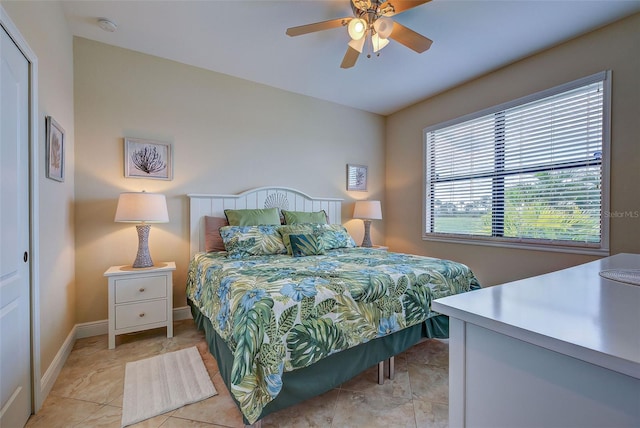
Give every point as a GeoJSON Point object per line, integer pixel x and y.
{"type": "Point", "coordinates": [107, 25]}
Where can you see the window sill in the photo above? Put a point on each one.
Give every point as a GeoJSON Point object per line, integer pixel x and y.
{"type": "Point", "coordinates": [520, 246]}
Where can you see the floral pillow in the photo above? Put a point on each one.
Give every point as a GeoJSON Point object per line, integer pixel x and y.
{"type": "Point", "coordinates": [335, 236]}
{"type": "Point", "coordinates": [305, 244]}
{"type": "Point", "coordinates": [245, 241]}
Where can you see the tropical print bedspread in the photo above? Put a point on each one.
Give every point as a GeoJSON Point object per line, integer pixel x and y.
{"type": "Point", "coordinates": [280, 313]}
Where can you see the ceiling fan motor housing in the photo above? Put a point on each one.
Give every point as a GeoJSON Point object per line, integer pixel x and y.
{"type": "Point", "coordinates": [373, 14]}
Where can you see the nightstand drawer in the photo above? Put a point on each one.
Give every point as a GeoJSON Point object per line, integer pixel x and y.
{"type": "Point", "coordinates": [137, 314]}
{"type": "Point", "coordinates": [137, 289]}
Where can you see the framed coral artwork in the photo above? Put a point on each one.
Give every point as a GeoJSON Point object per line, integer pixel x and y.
{"type": "Point", "coordinates": [55, 149]}
{"type": "Point", "coordinates": [147, 159]}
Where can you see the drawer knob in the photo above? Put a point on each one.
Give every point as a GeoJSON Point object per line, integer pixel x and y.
{"type": "Point", "coordinates": [141, 289]}
{"type": "Point", "coordinates": [141, 315]}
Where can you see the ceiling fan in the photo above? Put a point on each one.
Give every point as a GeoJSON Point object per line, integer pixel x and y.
{"type": "Point", "coordinates": [371, 22]}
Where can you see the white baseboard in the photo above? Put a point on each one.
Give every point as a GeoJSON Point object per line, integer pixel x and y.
{"type": "Point", "coordinates": [183, 313]}
{"type": "Point", "coordinates": [50, 376]}
{"type": "Point", "coordinates": [90, 329]}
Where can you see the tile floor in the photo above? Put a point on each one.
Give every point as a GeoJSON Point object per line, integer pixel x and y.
{"type": "Point", "coordinates": [88, 392]}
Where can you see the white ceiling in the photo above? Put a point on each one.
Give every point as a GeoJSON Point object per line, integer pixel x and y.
{"type": "Point", "coordinates": [247, 39]}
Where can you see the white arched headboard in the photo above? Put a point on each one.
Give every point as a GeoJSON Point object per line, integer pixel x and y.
{"type": "Point", "coordinates": [201, 205]}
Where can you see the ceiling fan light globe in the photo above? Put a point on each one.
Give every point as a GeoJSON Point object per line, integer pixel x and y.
{"type": "Point", "coordinates": [383, 26]}
{"type": "Point", "coordinates": [357, 28]}
{"type": "Point", "coordinates": [378, 42]}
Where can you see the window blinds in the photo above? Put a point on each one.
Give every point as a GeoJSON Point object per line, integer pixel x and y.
{"type": "Point", "coordinates": [531, 172]}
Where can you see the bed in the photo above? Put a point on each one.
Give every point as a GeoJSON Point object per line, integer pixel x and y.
{"type": "Point", "coordinates": [291, 311]}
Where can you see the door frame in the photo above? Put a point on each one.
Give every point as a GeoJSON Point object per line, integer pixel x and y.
{"type": "Point", "coordinates": [34, 218]}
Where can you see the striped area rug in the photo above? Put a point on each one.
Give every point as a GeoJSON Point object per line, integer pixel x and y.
{"type": "Point", "coordinates": [159, 384]}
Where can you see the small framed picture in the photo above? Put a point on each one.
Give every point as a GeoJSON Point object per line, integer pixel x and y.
{"type": "Point", "coordinates": [147, 159]}
{"type": "Point", "coordinates": [55, 149]}
{"type": "Point", "coordinates": [357, 177]}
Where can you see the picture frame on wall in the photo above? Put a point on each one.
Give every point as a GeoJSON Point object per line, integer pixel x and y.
{"type": "Point", "coordinates": [356, 178]}
{"type": "Point", "coordinates": [148, 159]}
{"type": "Point", "coordinates": [55, 142]}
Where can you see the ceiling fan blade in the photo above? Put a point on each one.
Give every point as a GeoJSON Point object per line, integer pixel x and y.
{"type": "Point", "coordinates": [394, 7]}
{"type": "Point", "coordinates": [318, 26]}
{"type": "Point", "coordinates": [350, 58]}
{"type": "Point", "coordinates": [410, 38]}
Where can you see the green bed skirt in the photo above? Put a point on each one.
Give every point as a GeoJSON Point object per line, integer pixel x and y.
{"type": "Point", "coordinates": [328, 373]}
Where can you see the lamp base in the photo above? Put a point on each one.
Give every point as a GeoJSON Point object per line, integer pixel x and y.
{"type": "Point", "coordinates": [143, 258]}
{"type": "Point", "coordinates": [366, 241]}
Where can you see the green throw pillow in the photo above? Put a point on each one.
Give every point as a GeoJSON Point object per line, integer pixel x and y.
{"type": "Point", "coordinates": [253, 217]}
{"type": "Point", "coordinates": [305, 244]}
{"type": "Point", "coordinates": [298, 217]}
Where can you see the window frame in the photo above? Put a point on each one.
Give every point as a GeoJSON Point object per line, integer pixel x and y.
{"type": "Point", "coordinates": [528, 243]}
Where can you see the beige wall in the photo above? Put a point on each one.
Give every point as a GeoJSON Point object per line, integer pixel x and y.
{"type": "Point", "coordinates": [44, 27]}
{"type": "Point", "coordinates": [614, 47]}
{"type": "Point", "coordinates": [228, 135]}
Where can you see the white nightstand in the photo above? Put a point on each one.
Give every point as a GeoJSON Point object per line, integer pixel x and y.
{"type": "Point", "coordinates": [140, 299]}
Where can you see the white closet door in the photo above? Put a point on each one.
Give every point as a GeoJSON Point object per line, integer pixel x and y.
{"type": "Point", "coordinates": [15, 342]}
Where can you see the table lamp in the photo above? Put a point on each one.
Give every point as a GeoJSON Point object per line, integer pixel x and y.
{"type": "Point", "coordinates": [142, 207]}
{"type": "Point", "coordinates": [367, 211]}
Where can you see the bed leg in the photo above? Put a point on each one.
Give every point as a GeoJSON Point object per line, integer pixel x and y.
{"type": "Point", "coordinates": [386, 368]}
{"type": "Point", "coordinates": [391, 368]}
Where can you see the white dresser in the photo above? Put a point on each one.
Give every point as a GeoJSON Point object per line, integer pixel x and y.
{"type": "Point", "coordinates": [140, 299]}
{"type": "Point", "coordinates": [556, 350]}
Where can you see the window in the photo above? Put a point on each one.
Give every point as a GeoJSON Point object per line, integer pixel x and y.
{"type": "Point", "coordinates": [530, 173]}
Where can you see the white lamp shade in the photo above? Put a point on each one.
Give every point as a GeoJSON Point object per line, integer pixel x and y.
{"type": "Point", "coordinates": [369, 210]}
{"type": "Point", "coordinates": [383, 27]}
{"type": "Point", "coordinates": [142, 207]}
{"type": "Point", "coordinates": [357, 28]}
